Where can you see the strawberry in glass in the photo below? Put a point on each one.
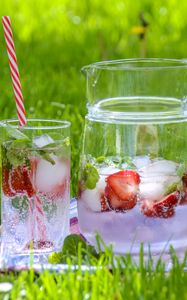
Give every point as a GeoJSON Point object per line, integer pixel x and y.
{"type": "Point", "coordinates": [35, 190]}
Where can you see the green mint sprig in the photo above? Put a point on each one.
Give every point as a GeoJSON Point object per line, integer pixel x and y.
{"type": "Point", "coordinates": [178, 185]}
{"type": "Point", "coordinates": [182, 169]}
{"type": "Point", "coordinates": [172, 188]}
{"type": "Point", "coordinates": [73, 244]}
{"type": "Point", "coordinates": [118, 162]}
{"type": "Point", "coordinates": [20, 203]}
{"type": "Point", "coordinates": [19, 146]}
{"type": "Point", "coordinates": [17, 152]}
{"type": "Point", "coordinates": [90, 176]}
{"type": "Point", "coordinates": [15, 133]}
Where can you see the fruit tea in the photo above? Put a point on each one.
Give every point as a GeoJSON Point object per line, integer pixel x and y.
{"type": "Point", "coordinates": [133, 164]}
{"type": "Point", "coordinates": [133, 200]}
{"type": "Point", "coordinates": [35, 192]}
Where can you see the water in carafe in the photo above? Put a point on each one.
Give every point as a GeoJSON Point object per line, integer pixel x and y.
{"type": "Point", "coordinates": [133, 170]}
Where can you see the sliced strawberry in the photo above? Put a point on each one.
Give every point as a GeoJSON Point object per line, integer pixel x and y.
{"type": "Point", "coordinates": [184, 193]}
{"type": "Point", "coordinates": [184, 180]}
{"type": "Point", "coordinates": [37, 245]}
{"type": "Point", "coordinates": [17, 180]}
{"type": "Point", "coordinates": [149, 211]}
{"type": "Point", "coordinates": [114, 202]}
{"type": "Point", "coordinates": [21, 182]}
{"type": "Point", "coordinates": [163, 208]}
{"type": "Point", "coordinates": [121, 189]}
{"type": "Point", "coordinates": [124, 184]}
{"type": "Point", "coordinates": [183, 200]}
{"type": "Point", "coordinates": [6, 185]}
{"type": "Point", "coordinates": [104, 206]}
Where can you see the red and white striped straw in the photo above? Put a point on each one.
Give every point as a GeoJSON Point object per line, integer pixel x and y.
{"type": "Point", "coordinates": [14, 70]}
{"type": "Point", "coordinates": [40, 219]}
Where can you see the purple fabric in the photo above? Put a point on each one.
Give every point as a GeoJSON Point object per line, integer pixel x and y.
{"type": "Point", "coordinates": [74, 227]}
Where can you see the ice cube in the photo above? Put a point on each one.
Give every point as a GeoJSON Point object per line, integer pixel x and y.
{"type": "Point", "coordinates": [109, 170]}
{"type": "Point", "coordinates": [125, 166]}
{"type": "Point", "coordinates": [141, 161]}
{"type": "Point", "coordinates": [92, 198]}
{"type": "Point", "coordinates": [42, 140]}
{"type": "Point", "coordinates": [151, 190]}
{"type": "Point", "coordinates": [159, 178]}
{"type": "Point", "coordinates": [48, 177]}
{"type": "Point", "coordinates": [160, 166]}
{"type": "Point", "coordinates": [154, 187]}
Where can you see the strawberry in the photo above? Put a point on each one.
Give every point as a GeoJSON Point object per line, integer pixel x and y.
{"type": "Point", "coordinates": [184, 180]}
{"type": "Point", "coordinates": [17, 180]}
{"type": "Point", "coordinates": [20, 181]}
{"type": "Point", "coordinates": [6, 184]}
{"type": "Point", "coordinates": [184, 193]}
{"type": "Point", "coordinates": [183, 200]}
{"type": "Point", "coordinates": [163, 208]}
{"type": "Point", "coordinates": [104, 206]}
{"type": "Point", "coordinates": [121, 189]}
{"type": "Point", "coordinates": [37, 245]}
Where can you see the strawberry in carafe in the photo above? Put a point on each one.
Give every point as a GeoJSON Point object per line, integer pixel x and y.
{"type": "Point", "coordinates": [133, 166]}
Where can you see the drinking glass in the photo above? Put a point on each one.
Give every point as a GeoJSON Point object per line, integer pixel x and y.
{"type": "Point", "coordinates": [133, 169]}
{"type": "Point", "coordinates": [35, 189]}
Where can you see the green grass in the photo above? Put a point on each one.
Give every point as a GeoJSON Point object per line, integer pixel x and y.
{"type": "Point", "coordinates": [54, 39]}
{"type": "Point", "coordinates": [124, 280]}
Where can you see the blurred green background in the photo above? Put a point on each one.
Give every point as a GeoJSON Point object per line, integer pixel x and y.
{"type": "Point", "coordinates": [54, 39]}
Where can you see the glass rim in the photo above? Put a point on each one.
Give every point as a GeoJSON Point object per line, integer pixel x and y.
{"type": "Point", "coordinates": [59, 124]}
{"type": "Point", "coordinates": [131, 64]}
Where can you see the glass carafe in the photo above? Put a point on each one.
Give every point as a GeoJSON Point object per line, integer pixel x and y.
{"type": "Point", "coordinates": [133, 170]}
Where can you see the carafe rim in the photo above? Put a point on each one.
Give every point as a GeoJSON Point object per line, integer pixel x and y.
{"type": "Point", "coordinates": [135, 64]}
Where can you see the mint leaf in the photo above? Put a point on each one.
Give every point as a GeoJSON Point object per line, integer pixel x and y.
{"type": "Point", "coordinates": [17, 152]}
{"type": "Point", "coordinates": [71, 244]}
{"type": "Point", "coordinates": [45, 155]}
{"type": "Point", "coordinates": [20, 144]}
{"type": "Point", "coordinates": [90, 176]}
{"type": "Point", "coordinates": [181, 169]}
{"type": "Point", "coordinates": [67, 141]}
{"type": "Point", "coordinates": [20, 203]}
{"type": "Point", "coordinates": [15, 133]}
{"type": "Point", "coordinates": [5, 161]}
{"type": "Point", "coordinates": [171, 188]}
{"type": "Point", "coordinates": [16, 157]}
{"type": "Point", "coordinates": [17, 149]}
{"type": "Point", "coordinates": [70, 250]}
{"type": "Point", "coordinates": [45, 145]}
{"type": "Point", "coordinates": [129, 161]}
{"type": "Point", "coordinates": [49, 146]}
{"type": "Point", "coordinates": [91, 250]}
{"type": "Point", "coordinates": [49, 207]}
{"type": "Point", "coordinates": [100, 159]}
